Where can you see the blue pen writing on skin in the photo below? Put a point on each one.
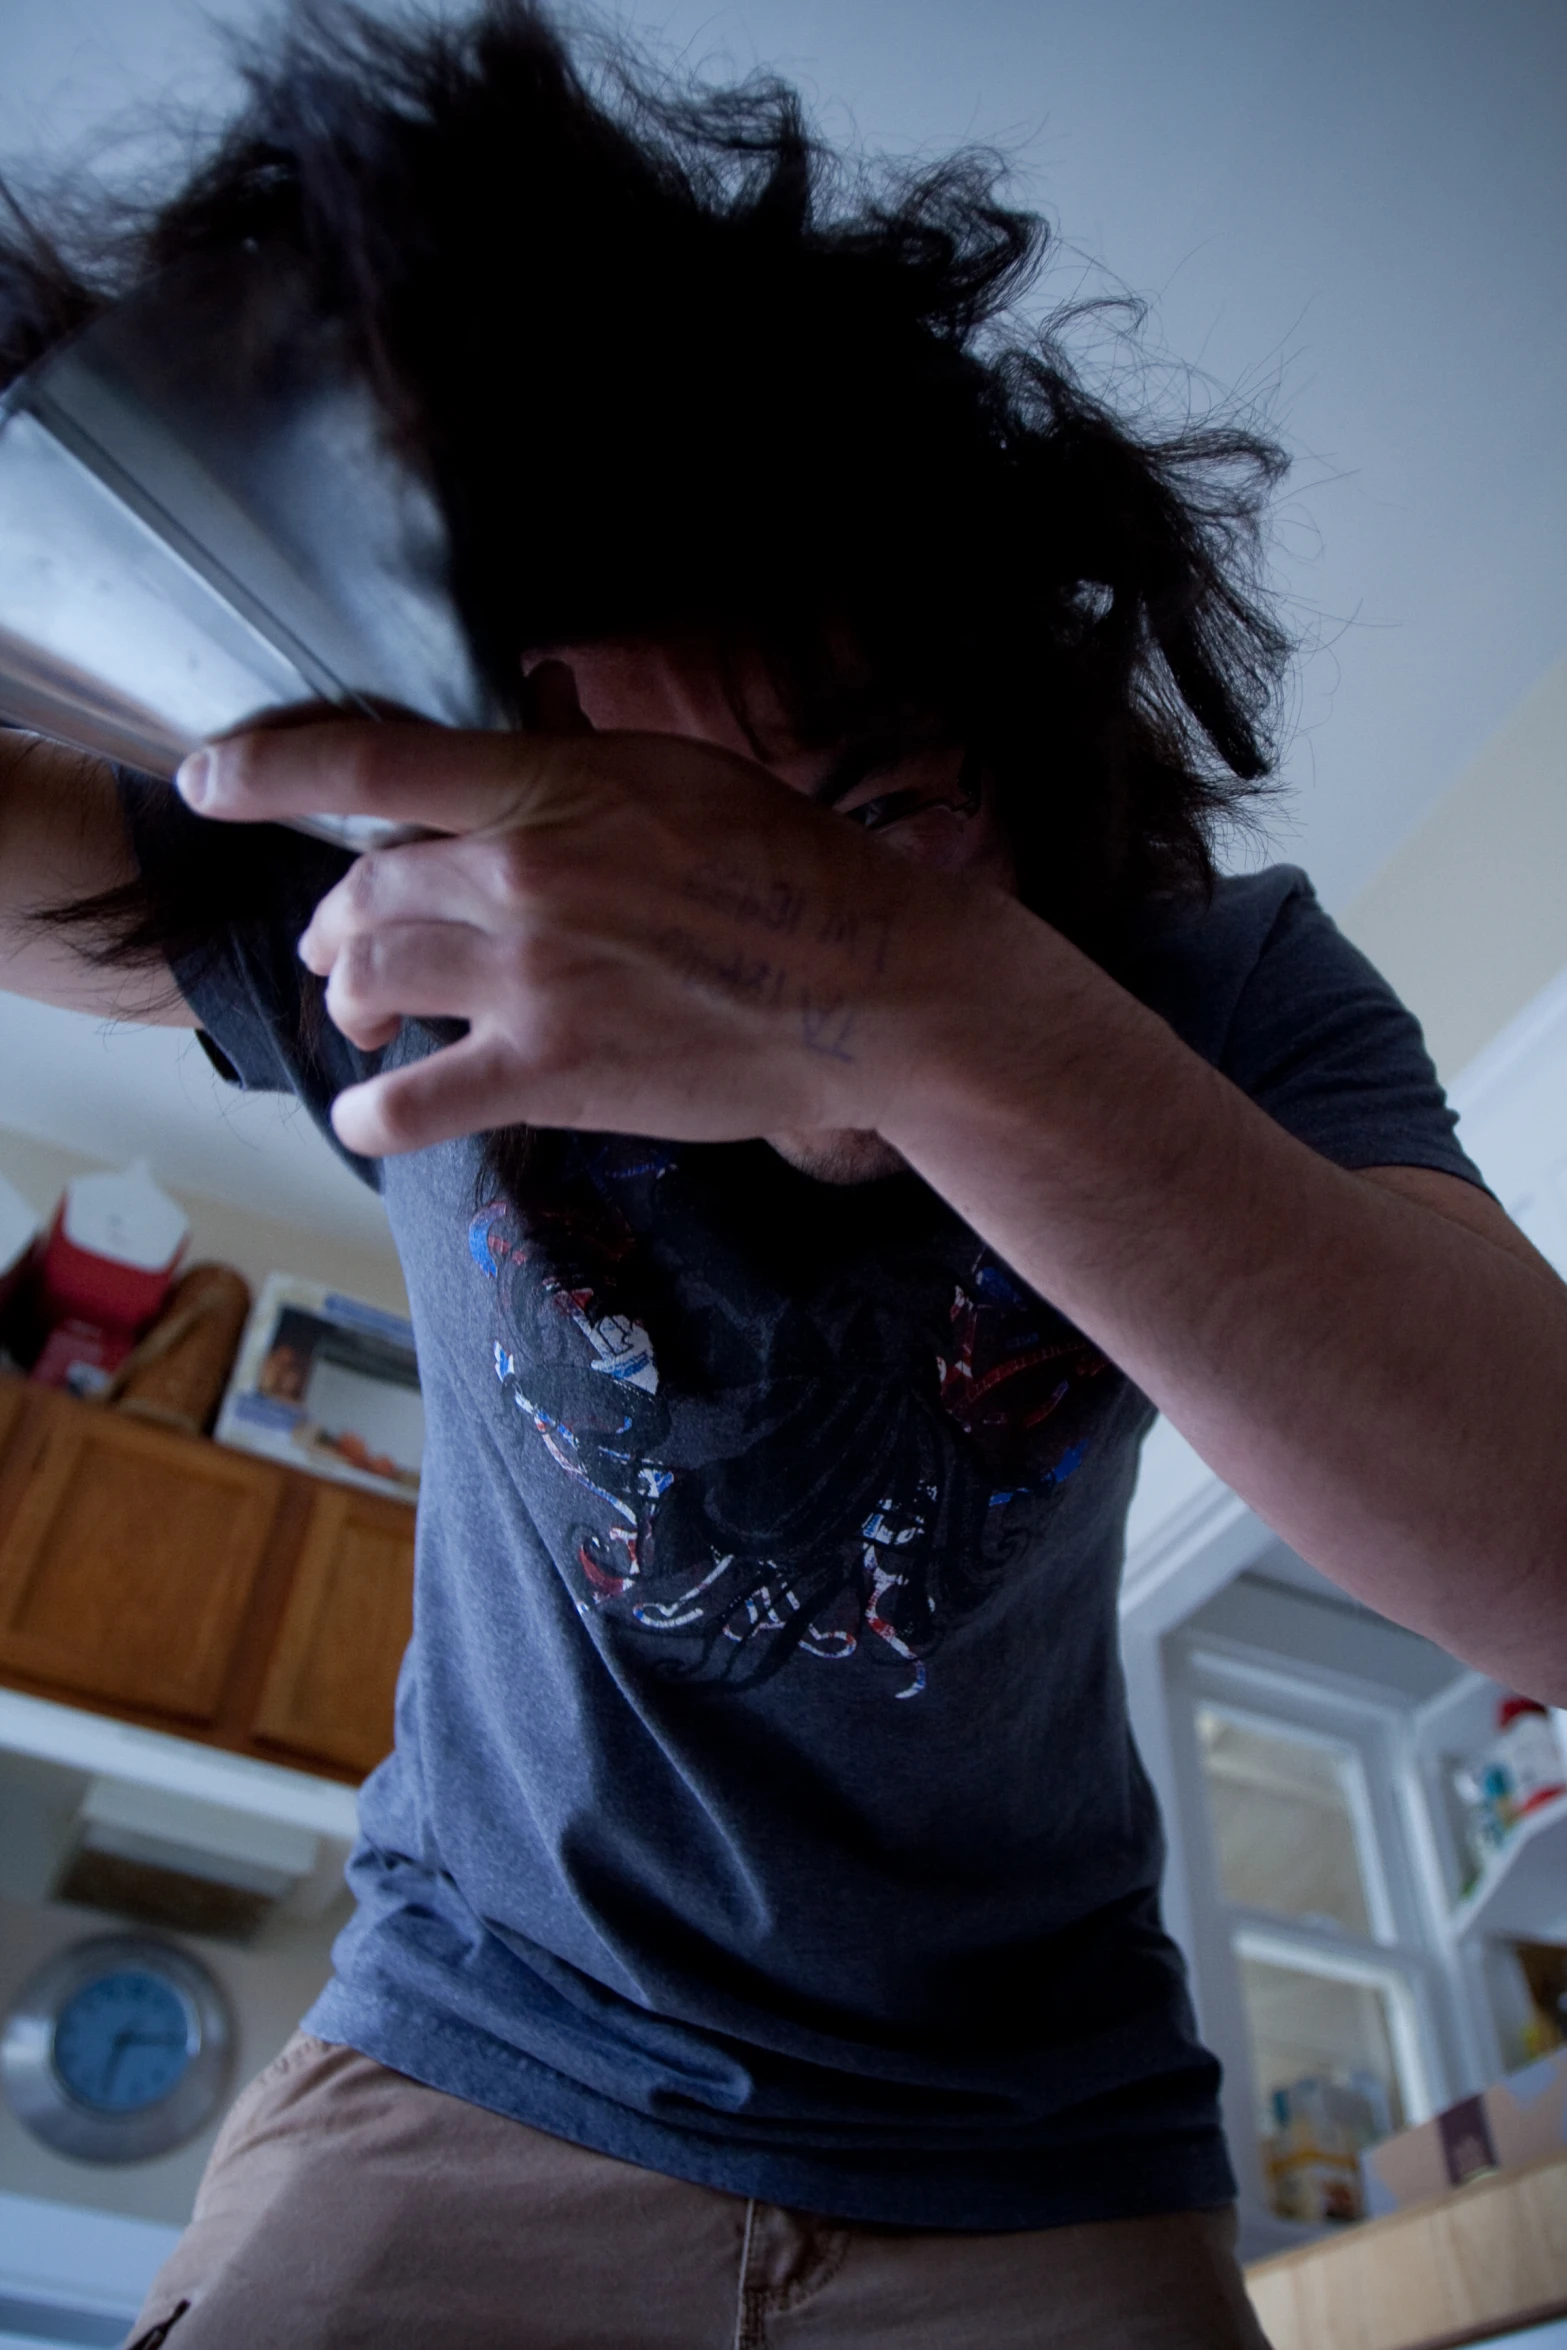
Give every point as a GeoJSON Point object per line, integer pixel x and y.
{"type": "Point", "coordinates": [826, 1021]}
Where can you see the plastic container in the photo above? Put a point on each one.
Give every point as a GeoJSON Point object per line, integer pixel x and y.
{"type": "Point", "coordinates": [112, 1251]}
{"type": "Point", "coordinates": [103, 1274]}
{"type": "Point", "coordinates": [1312, 2159]}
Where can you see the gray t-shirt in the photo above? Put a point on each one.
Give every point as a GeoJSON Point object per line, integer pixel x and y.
{"type": "Point", "coordinates": [764, 1808]}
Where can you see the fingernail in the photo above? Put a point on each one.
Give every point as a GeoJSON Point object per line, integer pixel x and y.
{"type": "Point", "coordinates": [193, 777]}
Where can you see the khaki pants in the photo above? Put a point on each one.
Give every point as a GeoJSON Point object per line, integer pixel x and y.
{"type": "Point", "coordinates": [347, 2206]}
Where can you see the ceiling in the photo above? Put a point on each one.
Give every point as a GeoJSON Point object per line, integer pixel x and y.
{"type": "Point", "coordinates": [1354, 216]}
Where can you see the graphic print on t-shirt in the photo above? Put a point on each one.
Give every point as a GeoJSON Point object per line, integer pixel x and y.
{"type": "Point", "coordinates": [844, 1472]}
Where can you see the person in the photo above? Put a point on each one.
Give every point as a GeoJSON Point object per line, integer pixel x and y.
{"type": "Point", "coordinates": [825, 1100]}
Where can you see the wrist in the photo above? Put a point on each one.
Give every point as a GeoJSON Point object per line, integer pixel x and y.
{"type": "Point", "coordinates": [1006, 1025]}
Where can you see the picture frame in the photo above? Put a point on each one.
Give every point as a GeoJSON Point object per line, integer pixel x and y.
{"type": "Point", "coordinates": [329, 1384]}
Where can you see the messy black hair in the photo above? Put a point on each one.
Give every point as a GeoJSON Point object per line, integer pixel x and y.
{"type": "Point", "coordinates": [668, 359]}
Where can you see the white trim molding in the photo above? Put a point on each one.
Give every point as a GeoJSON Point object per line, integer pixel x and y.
{"type": "Point", "coordinates": [106, 1748]}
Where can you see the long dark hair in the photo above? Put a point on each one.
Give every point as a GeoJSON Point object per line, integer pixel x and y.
{"type": "Point", "coordinates": [668, 358]}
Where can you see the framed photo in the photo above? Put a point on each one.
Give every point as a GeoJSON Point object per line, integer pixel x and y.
{"type": "Point", "coordinates": [327, 1383]}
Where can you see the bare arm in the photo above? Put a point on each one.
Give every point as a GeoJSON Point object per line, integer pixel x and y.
{"type": "Point", "coordinates": [647, 936]}
{"type": "Point", "coordinates": [62, 837]}
{"type": "Point", "coordinates": [1376, 1362]}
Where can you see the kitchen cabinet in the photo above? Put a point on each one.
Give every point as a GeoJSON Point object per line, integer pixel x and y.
{"type": "Point", "coordinates": [332, 1674]}
{"type": "Point", "coordinates": [129, 1562]}
{"type": "Point", "coordinates": [13, 1395]}
{"type": "Point", "coordinates": [183, 1585]}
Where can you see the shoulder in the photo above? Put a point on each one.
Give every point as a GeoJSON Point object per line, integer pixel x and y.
{"type": "Point", "coordinates": [1258, 978]}
{"type": "Point", "coordinates": [1194, 959]}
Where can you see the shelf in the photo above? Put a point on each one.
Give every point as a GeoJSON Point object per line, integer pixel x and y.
{"type": "Point", "coordinates": [1523, 1889]}
{"type": "Point", "coordinates": [1475, 2265]}
{"type": "Point", "coordinates": [101, 1745]}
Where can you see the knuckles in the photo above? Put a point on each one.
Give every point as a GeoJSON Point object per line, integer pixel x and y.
{"type": "Point", "coordinates": [509, 869]}
{"type": "Point", "coordinates": [361, 892]}
{"type": "Point", "coordinates": [357, 967]}
{"type": "Point", "coordinates": [528, 962]}
{"type": "Point", "coordinates": [515, 875]}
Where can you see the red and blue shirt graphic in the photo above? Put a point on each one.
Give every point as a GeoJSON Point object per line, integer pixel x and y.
{"type": "Point", "coordinates": [841, 1468]}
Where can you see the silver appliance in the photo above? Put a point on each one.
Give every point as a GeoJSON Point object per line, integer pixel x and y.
{"type": "Point", "coordinates": [205, 518]}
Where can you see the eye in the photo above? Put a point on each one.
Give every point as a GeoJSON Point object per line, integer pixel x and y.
{"type": "Point", "coordinates": [961, 799]}
{"type": "Point", "coordinates": [889, 807]}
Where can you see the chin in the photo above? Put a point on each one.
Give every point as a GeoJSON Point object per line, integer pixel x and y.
{"type": "Point", "coordinates": [846, 1154]}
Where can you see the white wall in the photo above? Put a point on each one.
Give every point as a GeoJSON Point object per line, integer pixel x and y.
{"type": "Point", "coordinates": [268, 1987]}
{"type": "Point", "coordinates": [1469, 918]}
{"type": "Point", "coordinates": [1357, 213]}
{"type": "Point", "coordinates": [255, 1245]}
{"type": "Point", "coordinates": [114, 1091]}
{"type": "Point", "coordinates": [269, 1982]}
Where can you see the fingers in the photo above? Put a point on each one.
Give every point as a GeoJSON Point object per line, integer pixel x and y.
{"type": "Point", "coordinates": [464, 1088]}
{"type": "Point", "coordinates": [427, 775]}
{"type": "Point", "coordinates": [311, 760]}
{"type": "Point", "coordinates": [407, 970]}
{"type": "Point", "coordinates": [423, 881]}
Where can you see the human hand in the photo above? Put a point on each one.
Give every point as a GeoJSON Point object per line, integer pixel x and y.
{"type": "Point", "coordinates": [644, 933]}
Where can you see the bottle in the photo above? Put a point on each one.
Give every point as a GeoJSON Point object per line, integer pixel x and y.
{"type": "Point", "coordinates": [1528, 1753]}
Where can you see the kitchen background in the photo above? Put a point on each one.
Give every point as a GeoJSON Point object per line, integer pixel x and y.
{"type": "Point", "coordinates": [1356, 216]}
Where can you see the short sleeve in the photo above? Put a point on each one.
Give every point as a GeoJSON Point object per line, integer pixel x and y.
{"type": "Point", "coordinates": [1266, 986]}
{"type": "Point", "coordinates": [261, 1018]}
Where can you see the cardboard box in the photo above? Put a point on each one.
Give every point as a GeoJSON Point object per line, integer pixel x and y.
{"type": "Point", "coordinates": [1514, 2122]}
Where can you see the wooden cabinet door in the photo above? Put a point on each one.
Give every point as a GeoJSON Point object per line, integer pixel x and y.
{"type": "Point", "coordinates": [130, 1560]}
{"type": "Point", "coordinates": [329, 1688]}
{"type": "Point", "coordinates": [13, 1396]}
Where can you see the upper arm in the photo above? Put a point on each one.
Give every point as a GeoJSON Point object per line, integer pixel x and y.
{"type": "Point", "coordinates": [1461, 1203]}
{"type": "Point", "coordinates": [63, 837]}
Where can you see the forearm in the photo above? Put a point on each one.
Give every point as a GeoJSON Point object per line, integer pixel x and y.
{"type": "Point", "coordinates": [1386, 1388]}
